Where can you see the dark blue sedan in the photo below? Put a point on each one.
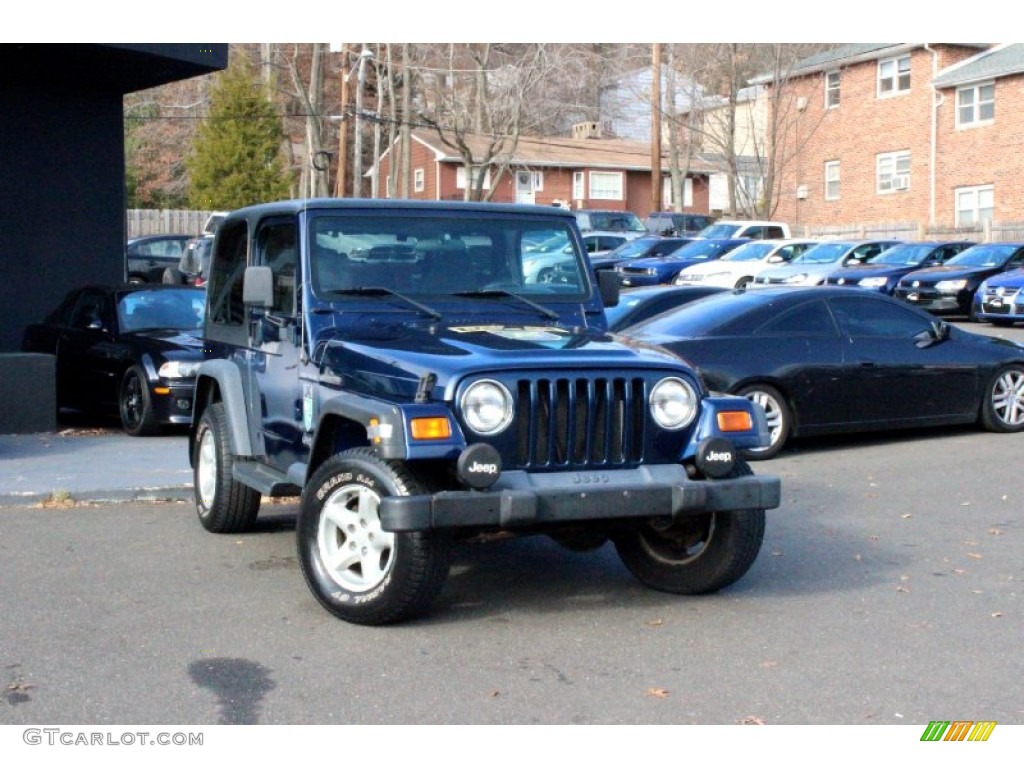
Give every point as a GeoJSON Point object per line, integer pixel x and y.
{"type": "Point", "coordinates": [882, 272]}
{"type": "Point", "coordinates": [1000, 299]}
{"type": "Point", "coordinates": [662, 270]}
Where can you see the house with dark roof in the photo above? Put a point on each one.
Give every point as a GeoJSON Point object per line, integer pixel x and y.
{"type": "Point", "coordinates": [585, 171]}
{"type": "Point", "coordinates": [926, 133]}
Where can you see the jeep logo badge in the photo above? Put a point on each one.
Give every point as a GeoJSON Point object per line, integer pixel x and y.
{"type": "Point", "coordinates": [478, 466]}
{"type": "Point", "coordinates": [716, 456]}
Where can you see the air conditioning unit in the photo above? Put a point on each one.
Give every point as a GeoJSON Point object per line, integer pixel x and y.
{"type": "Point", "coordinates": [901, 182]}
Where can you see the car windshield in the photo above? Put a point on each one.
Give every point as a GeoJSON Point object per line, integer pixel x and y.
{"type": "Point", "coordinates": [720, 230]}
{"type": "Point", "coordinates": [616, 221]}
{"type": "Point", "coordinates": [749, 252]}
{"type": "Point", "coordinates": [423, 255]}
{"type": "Point", "coordinates": [701, 249]}
{"type": "Point", "coordinates": [631, 249]}
{"type": "Point", "coordinates": [178, 309]}
{"type": "Point", "coordinates": [904, 255]}
{"type": "Point", "coordinates": [824, 253]}
{"type": "Point", "coordinates": [988, 255]}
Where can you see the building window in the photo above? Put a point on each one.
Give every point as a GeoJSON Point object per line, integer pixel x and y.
{"type": "Point", "coordinates": [892, 171]}
{"type": "Point", "coordinates": [974, 205]}
{"type": "Point", "coordinates": [976, 104]}
{"type": "Point", "coordinates": [894, 76]}
{"type": "Point", "coordinates": [418, 181]}
{"type": "Point", "coordinates": [831, 89]}
{"type": "Point", "coordinates": [668, 199]}
{"type": "Point", "coordinates": [460, 177]}
{"type": "Point", "coordinates": [577, 185]}
{"type": "Point", "coordinates": [538, 181]}
{"type": "Point", "coordinates": [605, 185]}
{"type": "Point", "coordinates": [832, 180]}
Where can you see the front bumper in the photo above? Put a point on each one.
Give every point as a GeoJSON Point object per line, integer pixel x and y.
{"type": "Point", "coordinates": [521, 499]}
{"type": "Point", "coordinates": [933, 301]}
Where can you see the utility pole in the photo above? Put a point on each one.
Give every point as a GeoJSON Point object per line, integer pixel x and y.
{"type": "Point", "coordinates": [339, 182]}
{"type": "Point", "coordinates": [656, 127]}
{"type": "Point", "coordinates": [357, 163]}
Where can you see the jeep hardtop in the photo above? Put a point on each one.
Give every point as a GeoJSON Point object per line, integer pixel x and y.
{"type": "Point", "coordinates": [389, 362]}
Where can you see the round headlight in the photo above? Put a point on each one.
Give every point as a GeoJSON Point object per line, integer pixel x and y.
{"type": "Point", "coordinates": [487, 407]}
{"type": "Point", "coordinates": [673, 403]}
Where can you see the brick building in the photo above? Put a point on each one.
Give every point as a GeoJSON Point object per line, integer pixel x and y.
{"type": "Point", "coordinates": [590, 172]}
{"type": "Point", "coordinates": [909, 132]}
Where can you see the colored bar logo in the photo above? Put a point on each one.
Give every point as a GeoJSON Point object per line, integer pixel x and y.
{"type": "Point", "coordinates": [958, 730]}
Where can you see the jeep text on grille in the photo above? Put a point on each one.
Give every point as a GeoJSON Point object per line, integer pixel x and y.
{"type": "Point", "coordinates": [412, 373]}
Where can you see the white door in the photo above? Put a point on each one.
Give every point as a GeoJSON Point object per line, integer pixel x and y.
{"type": "Point", "coordinates": [524, 187]}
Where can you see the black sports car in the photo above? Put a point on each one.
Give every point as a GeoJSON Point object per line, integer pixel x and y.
{"type": "Point", "coordinates": [637, 304]}
{"type": "Point", "coordinates": [130, 349]}
{"type": "Point", "coordinates": [826, 360]}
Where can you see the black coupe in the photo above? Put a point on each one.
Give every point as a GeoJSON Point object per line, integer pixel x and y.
{"type": "Point", "coordinates": [128, 349]}
{"type": "Point", "coordinates": [826, 360]}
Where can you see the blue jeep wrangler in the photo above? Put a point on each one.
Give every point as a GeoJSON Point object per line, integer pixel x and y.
{"type": "Point", "coordinates": [388, 361]}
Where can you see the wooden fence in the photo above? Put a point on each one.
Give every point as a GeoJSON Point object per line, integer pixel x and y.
{"type": "Point", "coordinates": [987, 232]}
{"type": "Point", "coordinates": [139, 222]}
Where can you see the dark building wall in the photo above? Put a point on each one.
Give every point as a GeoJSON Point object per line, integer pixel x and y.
{"type": "Point", "coordinates": [61, 198]}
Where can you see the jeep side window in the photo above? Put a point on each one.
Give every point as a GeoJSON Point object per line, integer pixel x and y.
{"type": "Point", "coordinates": [226, 311]}
{"type": "Point", "coordinates": [276, 248]}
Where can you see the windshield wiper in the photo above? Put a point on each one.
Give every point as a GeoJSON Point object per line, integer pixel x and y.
{"type": "Point", "coordinates": [373, 290]}
{"type": "Point", "coordinates": [497, 292]}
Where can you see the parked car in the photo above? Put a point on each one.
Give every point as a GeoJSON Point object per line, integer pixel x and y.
{"type": "Point", "coordinates": [625, 223]}
{"type": "Point", "coordinates": [670, 224]}
{"type": "Point", "coordinates": [813, 266]}
{"type": "Point", "coordinates": [638, 304]}
{"type": "Point", "coordinates": [752, 230]}
{"type": "Point", "coordinates": [826, 360]}
{"type": "Point", "coordinates": [641, 248]}
{"type": "Point", "coordinates": [147, 257]}
{"type": "Point", "coordinates": [1000, 299]}
{"type": "Point", "coordinates": [950, 289]}
{"type": "Point", "coordinates": [882, 272]}
{"type": "Point", "coordinates": [194, 263]}
{"type": "Point", "coordinates": [603, 243]}
{"type": "Point", "coordinates": [739, 266]}
{"type": "Point", "coordinates": [127, 349]}
{"type": "Point", "coordinates": [662, 270]}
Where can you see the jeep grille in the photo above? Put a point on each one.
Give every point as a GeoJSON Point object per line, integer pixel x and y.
{"type": "Point", "coordinates": [565, 423]}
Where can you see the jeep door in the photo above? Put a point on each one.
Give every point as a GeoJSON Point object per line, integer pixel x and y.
{"type": "Point", "coordinates": [275, 392]}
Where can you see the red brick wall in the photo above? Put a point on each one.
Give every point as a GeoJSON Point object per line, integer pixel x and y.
{"type": "Point", "coordinates": [854, 133]}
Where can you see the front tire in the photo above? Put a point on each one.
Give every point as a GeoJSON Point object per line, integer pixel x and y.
{"type": "Point", "coordinates": [223, 504]}
{"type": "Point", "coordinates": [780, 419]}
{"type": "Point", "coordinates": [135, 404]}
{"type": "Point", "coordinates": [1003, 407]}
{"type": "Point", "coordinates": [696, 555]}
{"type": "Point", "coordinates": [355, 569]}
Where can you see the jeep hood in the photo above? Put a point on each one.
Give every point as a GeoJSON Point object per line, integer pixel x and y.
{"type": "Point", "coordinates": [389, 360]}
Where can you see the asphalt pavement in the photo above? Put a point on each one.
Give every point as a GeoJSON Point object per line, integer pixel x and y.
{"type": "Point", "coordinates": [93, 463]}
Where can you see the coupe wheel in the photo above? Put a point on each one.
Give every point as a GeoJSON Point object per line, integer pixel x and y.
{"type": "Point", "coordinates": [223, 504]}
{"type": "Point", "coordinates": [136, 404]}
{"type": "Point", "coordinates": [780, 419]}
{"type": "Point", "coordinates": [355, 569]}
{"type": "Point", "coordinates": [1003, 408]}
{"type": "Point", "coordinates": [696, 555]}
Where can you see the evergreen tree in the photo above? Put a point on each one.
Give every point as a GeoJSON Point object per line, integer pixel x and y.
{"type": "Point", "coordinates": [236, 157]}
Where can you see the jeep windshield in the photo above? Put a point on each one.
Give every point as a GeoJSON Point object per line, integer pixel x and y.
{"type": "Point", "coordinates": [416, 255]}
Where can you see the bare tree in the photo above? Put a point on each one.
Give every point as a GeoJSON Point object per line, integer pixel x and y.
{"type": "Point", "coordinates": [475, 99]}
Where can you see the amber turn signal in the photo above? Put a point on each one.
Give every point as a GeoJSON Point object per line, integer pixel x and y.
{"type": "Point", "coordinates": [430, 428]}
{"type": "Point", "coordinates": [735, 421]}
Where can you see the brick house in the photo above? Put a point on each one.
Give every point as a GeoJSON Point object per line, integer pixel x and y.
{"type": "Point", "coordinates": [927, 133]}
{"type": "Point", "coordinates": [590, 172]}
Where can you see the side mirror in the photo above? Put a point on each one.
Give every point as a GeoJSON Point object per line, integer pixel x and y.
{"type": "Point", "coordinates": [609, 286]}
{"type": "Point", "coordinates": [258, 287]}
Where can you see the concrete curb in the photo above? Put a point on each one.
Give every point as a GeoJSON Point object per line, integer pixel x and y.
{"type": "Point", "coordinates": [99, 496]}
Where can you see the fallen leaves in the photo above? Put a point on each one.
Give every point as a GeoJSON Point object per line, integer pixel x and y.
{"type": "Point", "coordinates": [752, 720]}
{"type": "Point", "coordinates": [657, 693]}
